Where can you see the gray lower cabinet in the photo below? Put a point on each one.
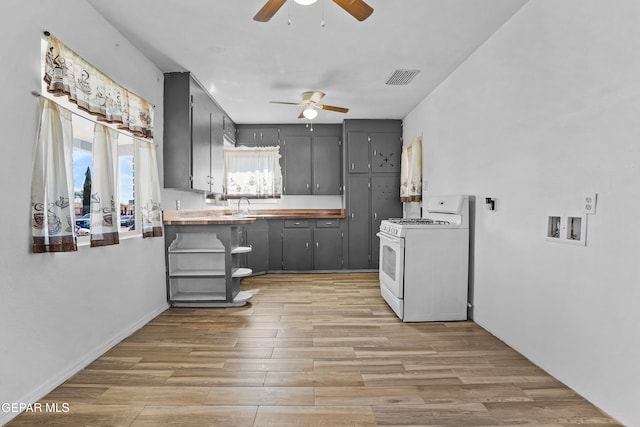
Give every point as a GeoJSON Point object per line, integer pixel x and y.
{"type": "Point", "coordinates": [327, 247]}
{"type": "Point", "coordinates": [257, 238]}
{"type": "Point", "coordinates": [305, 244]}
{"type": "Point", "coordinates": [297, 249]}
{"type": "Point", "coordinates": [359, 217]}
{"type": "Point", "coordinates": [275, 243]}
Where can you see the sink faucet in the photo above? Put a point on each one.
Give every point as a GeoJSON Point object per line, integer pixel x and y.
{"type": "Point", "coordinates": [248, 204]}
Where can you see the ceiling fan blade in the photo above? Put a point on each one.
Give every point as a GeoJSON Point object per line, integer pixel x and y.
{"type": "Point", "coordinates": [333, 108]}
{"type": "Point", "coordinates": [287, 103]}
{"type": "Point", "coordinates": [356, 8]}
{"type": "Point", "coordinates": [316, 96]}
{"type": "Point", "coordinates": [268, 10]}
{"type": "Point", "coordinates": [301, 116]}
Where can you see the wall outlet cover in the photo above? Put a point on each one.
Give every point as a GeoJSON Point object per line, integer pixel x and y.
{"type": "Point", "coordinates": [589, 203]}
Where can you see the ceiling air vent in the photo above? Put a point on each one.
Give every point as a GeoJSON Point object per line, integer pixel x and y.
{"type": "Point", "coordinates": [402, 77]}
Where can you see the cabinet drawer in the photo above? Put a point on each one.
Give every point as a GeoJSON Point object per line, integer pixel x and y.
{"type": "Point", "coordinates": [296, 223]}
{"type": "Point", "coordinates": [327, 223]}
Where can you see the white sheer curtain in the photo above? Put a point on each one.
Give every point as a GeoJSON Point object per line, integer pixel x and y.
{"type": "Point", "coordinates": [252, 172]}
{"type": "Point", "coordinates": [411, 172]}
{"type": "Point", "coordinates": [148, 188]}
{"type": "Point", "coordinates": [52, 218]}
{"type": "Point", "coordinates": [104, 187]}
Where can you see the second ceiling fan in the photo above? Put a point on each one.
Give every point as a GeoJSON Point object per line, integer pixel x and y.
{"type": "Point", "coordinates": [310, 102]}
{"type": "Point", "coordinates": [356, 8]}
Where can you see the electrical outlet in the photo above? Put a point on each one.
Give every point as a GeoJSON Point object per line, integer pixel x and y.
{"type": "Point", "coordinates": [589, 203]}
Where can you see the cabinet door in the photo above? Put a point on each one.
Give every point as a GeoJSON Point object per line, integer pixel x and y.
{"type": "Point", "coordinates": [327, 168]}
{"type": "Point", "coordinates": [258, 258]}
{"type": "Point", "coordinates": [268, 136]}
{"type": "Point", "coordinates": [247, 136]}
{"type": "Point", "coordinates": [327, 249]}
{"type": "Point", "coordinates": [358, 152]}
{"type": "Point", "coordinates": [385, 203]}
{"type": "Point", "coordinates": [217, 148]}
{"type": "Point", "coordinates": [297, 158]}
{"type": "Point", "coordinates": [359, 221]}
{"type": "Point", "coordinates": [386, 151]}
{"type": "Point", "coordinates": [200, 138]}
{"type": "Point", "coordinates": [296, 249]}
{"type": "Point", "coordinates": [275, 244]}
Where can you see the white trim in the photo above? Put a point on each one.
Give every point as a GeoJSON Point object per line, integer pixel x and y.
{"type": "Point", "coordinates": [50, 384]}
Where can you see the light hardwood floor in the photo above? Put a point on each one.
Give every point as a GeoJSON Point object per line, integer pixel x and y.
{"type": "Point", "coordinates": [311, 350]}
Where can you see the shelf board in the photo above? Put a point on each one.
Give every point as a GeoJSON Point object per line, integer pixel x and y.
{"type": "Point", "coordinates": [197, 251]}
{"type": "Point", "coordinates": [241, 272]}
{"type": "Point", "coordinates": [199, 296]}
{"type": "Point", "coordinates": [241, 250]}
{"type": "Point", "coordinates": [197, 273]}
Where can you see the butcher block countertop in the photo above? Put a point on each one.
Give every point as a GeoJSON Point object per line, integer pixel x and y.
{"type": "Point", "coordinates": [222, 217]}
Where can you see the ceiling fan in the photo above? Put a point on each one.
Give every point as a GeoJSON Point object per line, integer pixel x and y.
{"type": "Point", "coordinates": [310, 102]}
{"type": "Point", "coordinates": [356, 8]}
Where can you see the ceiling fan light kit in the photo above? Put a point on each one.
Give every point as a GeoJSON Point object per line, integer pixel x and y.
{"type": "Point", "coordinates": [356, 8]}
{"type": "Point", "coordinates": [309, 113]}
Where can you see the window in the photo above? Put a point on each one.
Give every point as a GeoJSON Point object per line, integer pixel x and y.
{"type": "Point", "coordinates": [83, 131]}
{"type": "Point", "coordinates": [252, 172]}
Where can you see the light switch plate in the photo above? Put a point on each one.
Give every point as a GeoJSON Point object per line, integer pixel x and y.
{"type": "Point", "coordinates": [589, 203]}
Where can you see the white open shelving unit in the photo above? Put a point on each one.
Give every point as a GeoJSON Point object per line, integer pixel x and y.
{"type": "Point", "coordinates": [203, 268]}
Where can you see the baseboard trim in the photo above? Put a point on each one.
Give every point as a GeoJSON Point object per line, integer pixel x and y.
{"type": "Point", "coordinates": [55, 381]}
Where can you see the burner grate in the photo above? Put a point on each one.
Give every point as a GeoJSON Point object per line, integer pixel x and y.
{"type": "Point", "coordinates": [417, 221]}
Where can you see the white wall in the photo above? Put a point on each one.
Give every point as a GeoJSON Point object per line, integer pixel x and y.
{"type": "Point", "coordinates": [548, 109]}
{"type": "Point", "coordinates": [60, 311]}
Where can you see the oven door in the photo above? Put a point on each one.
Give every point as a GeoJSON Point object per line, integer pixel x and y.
{"type": "Point", "coordinates": [392, 264]}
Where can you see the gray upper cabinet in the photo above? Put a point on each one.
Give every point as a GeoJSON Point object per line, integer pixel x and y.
{"type": "Point", "coordinates": [327, 167]}
{"type": "Point", "coordinates": [312, 159]}
{"type": "Point", "coordinates": [193, 136]}
{"type": "Point", "coordinates": [358, 152]}
{"type": "Point", "coordinates": [258, 135]}
{"type": "Point", "coordinates": [297, 165]}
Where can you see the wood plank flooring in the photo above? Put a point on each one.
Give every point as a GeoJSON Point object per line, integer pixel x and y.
{"type": "Point", "coordinates": [311, 350]}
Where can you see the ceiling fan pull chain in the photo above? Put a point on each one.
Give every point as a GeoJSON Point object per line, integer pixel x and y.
{"type": "Point", "coordinates": [322, 23]}
{"type": "Point", "coordinates": [289, 13]}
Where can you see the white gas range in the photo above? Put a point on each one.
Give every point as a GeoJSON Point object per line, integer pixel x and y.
{"type": "Point", "coordinates": [424, 261]}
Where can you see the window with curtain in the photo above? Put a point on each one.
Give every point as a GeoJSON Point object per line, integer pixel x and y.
{"type": "Point", "coordinates": [88, 165]}
{"type": "Point", "coordinates": [252, 172]}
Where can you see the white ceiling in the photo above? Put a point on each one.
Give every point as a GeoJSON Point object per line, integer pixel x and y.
{"type": "Point", "coordinates": [245, 64]}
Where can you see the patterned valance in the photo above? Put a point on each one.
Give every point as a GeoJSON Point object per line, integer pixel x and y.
{"type": "Point", "coordinates": [67, 73]}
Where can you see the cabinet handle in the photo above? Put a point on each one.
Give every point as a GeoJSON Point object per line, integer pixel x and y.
{"type": "Point", "coordinates": [375, 215]}
{"type": "Point", "coordinates": [317, 186]}
{"type": "Point", "coordinates": [307, 245]}
{"type": "Point", "coordinates": [328, 223]}
{"type": "Point", "coordinates": [307, 186]}
{"type": "Point", "coordinates": [296, 223]}
{"type": "Point", "coordinates": [375, 152]}
{"type": "Point", "coordinates": [353, 216]}
{"type": "Point", "coordinates": [317, 245]}
{"type": "Point", "coordinates": [353, 166]}
{"type": "Point", "coordinates": [254, 135]}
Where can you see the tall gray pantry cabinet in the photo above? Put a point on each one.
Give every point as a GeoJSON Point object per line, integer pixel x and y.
{"type": "Point", "coordinates": [194, 129]}
{"type": "Point", "coordinates": [372, 177]}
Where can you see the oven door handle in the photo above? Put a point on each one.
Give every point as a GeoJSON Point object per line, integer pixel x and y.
{"type": "Point", "coordinates": [391, 239]}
